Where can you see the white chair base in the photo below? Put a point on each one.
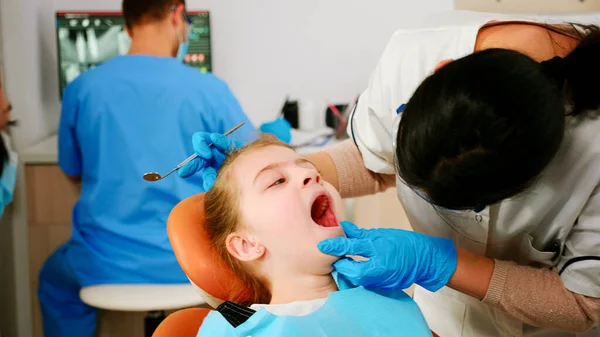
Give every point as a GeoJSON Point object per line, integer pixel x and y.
{"type": "Point", "coordinates": [154, 299]}
{"type": "Point", "coordinates": [141, 297]}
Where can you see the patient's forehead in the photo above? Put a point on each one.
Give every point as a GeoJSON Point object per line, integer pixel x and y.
{"type": "Point", "coordinates": [256, 159]}
{"type": "Point", "coordinates": [250, 163]}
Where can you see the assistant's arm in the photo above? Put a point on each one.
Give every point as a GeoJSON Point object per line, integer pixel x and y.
{"type": "Point", "coordinates": [535, 296]}
{"type": "Point", "coordinates": [342, 166]}
{"type": "Point", "coordinates": [69, 154]}
{"type": "Point", "coordinates": [568, 301]}
{"type": "Point", "coordinates": [539, 297]}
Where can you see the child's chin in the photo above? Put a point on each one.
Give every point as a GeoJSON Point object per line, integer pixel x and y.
{"type": "Point", "coordinates": [328, 260]}
{"type": "Point", "coordinates": [337, 232]}
{"type": "Point", "coordinates": [331, 233]}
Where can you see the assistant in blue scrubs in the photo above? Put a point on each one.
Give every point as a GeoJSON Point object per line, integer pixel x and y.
{"type": "Point", "coordinates": [133, 114]}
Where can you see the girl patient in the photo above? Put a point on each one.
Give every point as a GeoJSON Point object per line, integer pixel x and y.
{"type": "Point", "coordinates": [265, 215]}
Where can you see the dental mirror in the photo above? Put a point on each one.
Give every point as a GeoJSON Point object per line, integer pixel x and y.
{"type": "Point", "coordinates": [154, 176]}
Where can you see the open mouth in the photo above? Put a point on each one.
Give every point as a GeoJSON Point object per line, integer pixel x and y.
{"type": "Point", "coordinates": [322, 212]}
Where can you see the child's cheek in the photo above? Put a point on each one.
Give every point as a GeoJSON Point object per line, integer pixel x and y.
{"type": "Point", "coordinates": [338, 203]}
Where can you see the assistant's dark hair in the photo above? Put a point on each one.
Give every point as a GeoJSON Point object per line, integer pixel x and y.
{"type": "Point", "coordinates": [484, 127]}
{"type": "Point", "coordinates": [4, 156]}
{"type": "Point", "coordinates": [137, 11]}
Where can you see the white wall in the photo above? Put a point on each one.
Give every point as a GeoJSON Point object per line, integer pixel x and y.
{"type": "Point", "coordinates": [23, 62]}
{"type": "Point", "coordinates": [530, 6]}
{"type": "Point", "coordinates": [311, 49]}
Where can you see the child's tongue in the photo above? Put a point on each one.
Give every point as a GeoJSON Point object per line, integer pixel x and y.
{"type": "Point", "coordinates": [321, 212]}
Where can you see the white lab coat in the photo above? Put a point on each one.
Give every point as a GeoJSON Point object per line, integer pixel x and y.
{"type": "Point", "coordinates": [556, 221]}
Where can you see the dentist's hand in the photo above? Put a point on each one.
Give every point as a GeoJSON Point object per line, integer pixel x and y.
{"type": "Point", "coordinates": [209, 159]}
{"type": "Point", "coordinates": [397, 258]}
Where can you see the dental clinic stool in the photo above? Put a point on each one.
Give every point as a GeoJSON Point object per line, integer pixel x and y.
{"type": "Point", "coordinates": [154, 299]}
{"type": "Point", "coordinates": [203, 266]}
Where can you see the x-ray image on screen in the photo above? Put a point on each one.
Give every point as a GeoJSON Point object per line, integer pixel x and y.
{"type": "Point", "coordinates": [87, 39]}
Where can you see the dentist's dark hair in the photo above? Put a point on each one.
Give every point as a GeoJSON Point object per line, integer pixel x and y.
{"type": "Point", "coordinates": [484, 127]}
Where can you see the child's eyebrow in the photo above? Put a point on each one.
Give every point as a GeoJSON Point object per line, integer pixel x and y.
{"type": "Point", "coordinates": [298, 162]}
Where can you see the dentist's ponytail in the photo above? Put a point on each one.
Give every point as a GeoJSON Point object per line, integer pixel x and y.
{"type": "Point", "coordinates": [578, 74]}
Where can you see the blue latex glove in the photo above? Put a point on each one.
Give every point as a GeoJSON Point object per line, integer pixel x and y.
{"type": "Point", "coordinates": [209, 159]}
{"type": "Point", "coordinates": [397, 258]}
{"type": "Point", "coordinates": [280, 128]}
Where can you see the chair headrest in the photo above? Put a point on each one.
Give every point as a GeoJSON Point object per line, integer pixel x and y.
{"type": "Point", "coordinates": [196, 254]}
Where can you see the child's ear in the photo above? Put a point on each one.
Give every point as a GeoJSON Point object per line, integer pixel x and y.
{"type": "Point", "coordinates": [243, 247]}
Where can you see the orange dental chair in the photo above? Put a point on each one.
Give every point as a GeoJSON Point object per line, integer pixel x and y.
{"type": "Point", "coordinates": [203, 266]}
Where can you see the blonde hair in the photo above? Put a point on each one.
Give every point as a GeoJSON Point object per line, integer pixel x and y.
{"type": "Point", "coordinates": [221, 205]}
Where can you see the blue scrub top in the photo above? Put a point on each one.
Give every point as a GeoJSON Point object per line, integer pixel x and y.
{"type": "Point", "coordinates": [131, 115]}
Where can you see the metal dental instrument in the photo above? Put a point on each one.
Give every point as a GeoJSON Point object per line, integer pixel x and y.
{"type": "Point", "coordinates": [154, 176]}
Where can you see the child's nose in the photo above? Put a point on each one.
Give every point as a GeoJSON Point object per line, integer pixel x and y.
{"type": "Point", "coordinates": [311, 178]}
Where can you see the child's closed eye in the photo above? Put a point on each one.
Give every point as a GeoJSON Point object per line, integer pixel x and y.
{"type": "Point", "coordinates": [278, 182]}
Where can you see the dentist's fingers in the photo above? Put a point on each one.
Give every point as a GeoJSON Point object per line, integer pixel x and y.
{"type": "Point", "coordinates": [218, 157]}
{"type": "Point", "coordinates": [191, 168]}
{"type": "Point", "coordinates": [200, 141]}
{"type": "Point", "coordinates": [209, 176]}
{"type": "Point", "coordinates": [354, 271]}
{"type": "Point", "coordinates": [221, 142]}
{"type": "Point", "coordinates": [352, 231]}
{"type": "Point", "coordinates": [342, 246]}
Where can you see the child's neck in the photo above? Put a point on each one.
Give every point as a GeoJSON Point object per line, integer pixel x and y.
{"type": "Point", "coordinates": [288, 288]}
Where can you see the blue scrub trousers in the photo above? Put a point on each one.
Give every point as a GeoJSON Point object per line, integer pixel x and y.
{"type": "Point", "coordinates": [63, 312]}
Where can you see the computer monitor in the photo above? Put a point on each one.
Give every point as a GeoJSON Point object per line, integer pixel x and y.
{"type": "Point", "coordinates": [87, 39]}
